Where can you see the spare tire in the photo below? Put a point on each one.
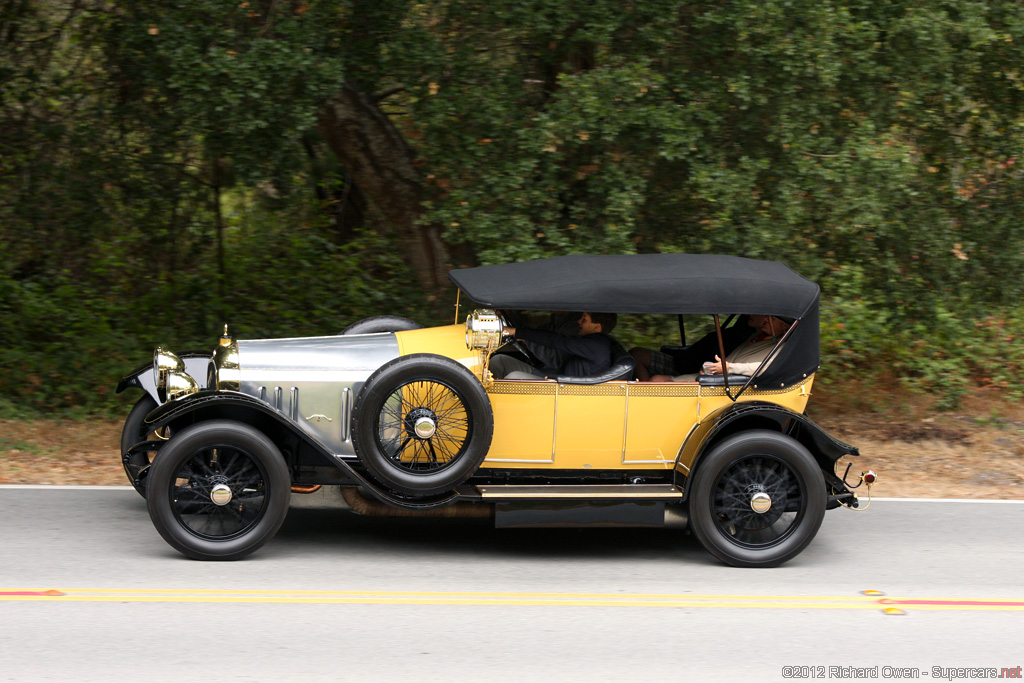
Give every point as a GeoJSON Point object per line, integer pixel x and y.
{"type": "Point", "coordinates": [381, 323]}
{"type": "Point", "coordinates": [422, 424]}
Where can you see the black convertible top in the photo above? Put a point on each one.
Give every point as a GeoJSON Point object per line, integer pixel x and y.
{"type": "Point", "coordinates": [661, 284]}
{"type": "Point", "coordinates": [642, 283]}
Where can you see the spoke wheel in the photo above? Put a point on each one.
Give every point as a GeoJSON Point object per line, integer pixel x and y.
{"type": "Point", "coordinates": [422, 424]}
{"type": "Point", "coordinates": [735, 493]}
{"type": "Point", "coordinates": [136, 466]}
{"type": "Point", "coordinates": [423, 427]}
{"type": "Point", "coordinates": [757, 500]}
{"type": "Point", "coordinates": [219, 490]}
{"type": "Point", "coordinates": [381, 323]}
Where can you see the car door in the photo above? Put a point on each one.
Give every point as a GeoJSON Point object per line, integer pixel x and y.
{"type": "Point", "coordinates": [658, 420]}
{"type": "Point", "coordinates": [524, 422]}
{"type": "Point", "coordinates": [590, 423]}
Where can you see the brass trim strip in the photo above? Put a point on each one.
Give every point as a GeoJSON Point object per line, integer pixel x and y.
{"type": "Point", "coordinates": [512, 386]}
{"type": "Point", "coordinates": [554, 427]}
{"type": "Point", "coordinates": [490, 460]}
{"type": "Point", "coordinates": [625, 426]}
{"type": "Point", "coordinates": [606, 389]}
{"type": "Point", "coordinates": [639, 389]}
{"type": "Point", "coordinates": [632, 491]}
{"type": "Point", "coordinates": [668, 389]}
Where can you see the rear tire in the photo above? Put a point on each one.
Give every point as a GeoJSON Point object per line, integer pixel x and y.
{"type": "Point", "coordinates": [753, 464]}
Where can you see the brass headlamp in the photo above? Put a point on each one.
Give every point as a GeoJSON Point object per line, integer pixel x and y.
{"type": "Point", "coordinates": [172, 382]}
{"type": "Point", "coordinates": [484, 331]}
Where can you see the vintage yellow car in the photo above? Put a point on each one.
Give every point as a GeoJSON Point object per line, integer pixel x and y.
{"type": "Point", "coordinates": [402, 419]}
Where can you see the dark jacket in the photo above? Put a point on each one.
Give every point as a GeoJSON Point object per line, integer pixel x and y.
{"type": "Point", "coordinates": [587, 355]}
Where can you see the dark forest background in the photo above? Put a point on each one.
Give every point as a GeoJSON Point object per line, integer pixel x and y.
{"type": "Point", "coordinates": [290, 166]}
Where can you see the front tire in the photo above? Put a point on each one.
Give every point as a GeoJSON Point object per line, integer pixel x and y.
{"type": "Point", "coordinates": [757, 499]}
{"type": "Point", "coordinates": [422, 424]}
{"type": "Point", "coordinates": [218, 491]}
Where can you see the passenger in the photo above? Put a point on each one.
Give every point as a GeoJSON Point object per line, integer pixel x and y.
{"type": "Point", "coordinates": [747, 357]}
{"type": "Point", "coordinates": [588, 354]}
{"type": "Point", "coordinates": [651, 362]}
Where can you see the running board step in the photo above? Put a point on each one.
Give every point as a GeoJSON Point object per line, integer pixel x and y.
{"type": "Point", "coordinates": [595, 492]}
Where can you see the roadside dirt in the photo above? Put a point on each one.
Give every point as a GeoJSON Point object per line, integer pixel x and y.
{"type": "Point", "coordinates": [975, 452]}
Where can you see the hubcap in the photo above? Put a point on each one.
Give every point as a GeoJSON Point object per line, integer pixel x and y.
{"type": "Point", "coordinates": [421, 423]}
{"type": "Point", "coordinates": [220, 494]}
{"type": "Point", "coordinates": [761, 502]}
{"type": "Point", "coordinates": [425, 427]}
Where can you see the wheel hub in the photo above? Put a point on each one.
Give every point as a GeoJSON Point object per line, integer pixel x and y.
{"type": "Point", "coordinates": [220, 494]}
{"type": "Point", "coordinates": [421, 423]}
{"type": "Point", "coordinates": [760, 502]}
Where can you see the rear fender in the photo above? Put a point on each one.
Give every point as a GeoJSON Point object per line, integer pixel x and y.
{"type": "Point", "coordinates": [756, 415]}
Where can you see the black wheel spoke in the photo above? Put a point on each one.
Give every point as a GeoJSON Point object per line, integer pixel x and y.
{"type": "Point", "coordinates": [422, 424]}
{"type": "Point", "coordinates": [396, 421]}
{"type": "Point", "coordinates": [734, 491]}
{"type": "Point", "coordinates": [193, 502]}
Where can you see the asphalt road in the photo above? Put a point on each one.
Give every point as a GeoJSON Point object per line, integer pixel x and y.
{"type": "Point", "coordinates": [335, 597]}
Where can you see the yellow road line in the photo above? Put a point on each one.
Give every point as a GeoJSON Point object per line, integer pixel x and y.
{"type": "Point", "coordinates": [452, 594]}
{"type": "Point", "coordinates": [840, 602]}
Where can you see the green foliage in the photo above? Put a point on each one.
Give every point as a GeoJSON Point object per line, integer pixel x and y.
{"type": "Point", "coordinates": [161, 171]}
{"type": "Point", "coordinates": [241, 80]}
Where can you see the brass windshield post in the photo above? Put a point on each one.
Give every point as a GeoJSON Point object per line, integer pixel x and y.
{"type": "Point", "coordinates": [721, 354]}
{"type": "Point", "coordinates": [721, 351]}
{"type": "Point", "coordinates": [458, 295]}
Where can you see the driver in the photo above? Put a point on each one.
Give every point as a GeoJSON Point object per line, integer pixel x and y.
{"type": "Point", "coordinates": [565, 323]}
{"type": "Point", "coordinates": [587, 354]}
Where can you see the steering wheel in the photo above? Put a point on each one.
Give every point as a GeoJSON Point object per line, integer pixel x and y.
{"type": "Point", "coordinates": [514, 343]}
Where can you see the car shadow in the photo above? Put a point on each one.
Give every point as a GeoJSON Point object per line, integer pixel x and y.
{"type": "Point", "coordinates": [319, 530]}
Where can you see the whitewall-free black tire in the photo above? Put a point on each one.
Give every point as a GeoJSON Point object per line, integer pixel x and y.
{"type": "Point", "coordinates": [757, 499]}
{"type": "Point", "coordinates": [219, 490]}
{"type": "Point", "coordinates": [422, 424]}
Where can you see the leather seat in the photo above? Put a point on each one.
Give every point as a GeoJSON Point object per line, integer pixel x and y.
{"type": "Point", "coordinates": [622, 369]}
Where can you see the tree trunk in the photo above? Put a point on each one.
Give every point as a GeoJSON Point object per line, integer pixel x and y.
{"type": "Point", "coordinates": [381, 163]}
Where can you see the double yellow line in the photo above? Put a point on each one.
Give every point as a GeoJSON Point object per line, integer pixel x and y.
{"type": "Point", "coordinates": [891, 605]}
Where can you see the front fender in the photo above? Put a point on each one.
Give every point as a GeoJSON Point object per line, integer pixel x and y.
{"type": "Point", "coordinates": [232, 405]}
{"type": "Point", "coordinates": [299, 447]}
{"type": "Point", "coordinates": [825, 448]}
{"type": "Point", "coordinates": [196, 364]}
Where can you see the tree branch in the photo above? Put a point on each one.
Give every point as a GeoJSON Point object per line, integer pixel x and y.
{"type": "Point", "coordinates": [387, 92]}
